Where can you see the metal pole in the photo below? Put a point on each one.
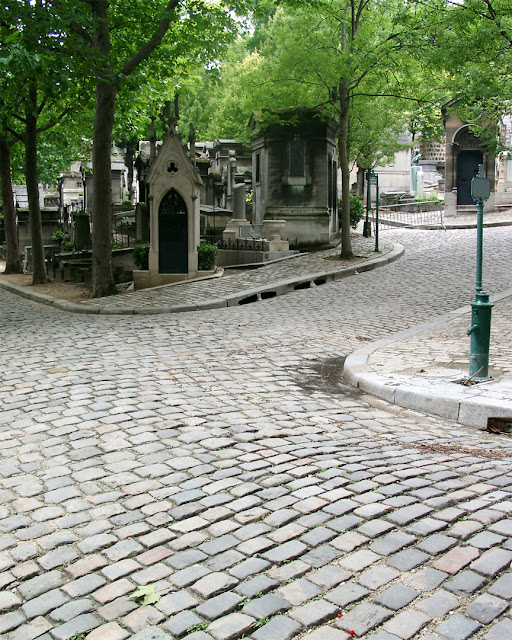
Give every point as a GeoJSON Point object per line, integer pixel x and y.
{"type": "Point", "coordinates": [479, 244]}
{"type": "Point", "coordinates": [480, 330]}
{"type": "Point", "coordinates": [377, 212]}
{"type": "Point", "coordinates": [367, 230]}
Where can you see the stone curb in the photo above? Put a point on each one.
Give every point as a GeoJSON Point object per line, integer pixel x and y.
{"type": "Point", "coordinates": [279, 287]}
{"type": "Point", "coordinates": [462, 404]}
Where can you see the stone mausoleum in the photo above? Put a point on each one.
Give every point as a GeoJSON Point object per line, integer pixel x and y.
{"type": "Point", "coordinates": [464, 152]}
{"type": "Point", "coordinates": [173, 185]}
{"type": "Point", "coordinates": [294, 171]}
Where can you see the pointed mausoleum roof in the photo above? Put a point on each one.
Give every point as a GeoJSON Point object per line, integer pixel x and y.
{"type": "Point", "coordinates": [173, 158]}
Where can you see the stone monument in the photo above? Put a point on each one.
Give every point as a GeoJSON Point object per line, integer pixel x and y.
{"type": "Point", "coordinates": [238, 227]}
{"type": "Point", "coordinates": [173, 186]}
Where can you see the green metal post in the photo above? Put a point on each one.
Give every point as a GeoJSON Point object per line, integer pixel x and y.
{"type": "Point", "coordinates": [480, 330]}
{"type": "Point", "coordinates": [377, 213]}
{"type": "Point", "coordinates": [367, 229]}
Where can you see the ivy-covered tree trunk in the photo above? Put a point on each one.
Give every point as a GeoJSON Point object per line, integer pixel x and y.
{"type": "Point", "coordinates": [12, 261]}
{"type": "Point", "coordinates": [34, 211]}
{"type": "Point", "coordinates": [344, 103]}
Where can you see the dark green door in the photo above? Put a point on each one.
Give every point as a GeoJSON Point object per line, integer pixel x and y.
{"type": "Point", "coordinates": [467, 168]}
{"type": "Point", "coordinates": [173, 234]}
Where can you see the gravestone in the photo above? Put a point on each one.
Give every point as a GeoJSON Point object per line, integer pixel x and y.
{"type": "Point", "coordinates": [173, 185]}
{"type": "Point", "coordinates": [142, 223]}
{"type": "Point", "coordinates": [238, 227]}
{"type": "Point", "coordinates": [416, 187]}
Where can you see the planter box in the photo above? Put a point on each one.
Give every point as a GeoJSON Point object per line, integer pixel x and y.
{"type": "Point", "coordinates": [272, 228]}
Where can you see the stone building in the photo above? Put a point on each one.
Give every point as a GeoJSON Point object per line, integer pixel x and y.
{"type": "Point", "coordinates": [294, 170]}
{"type": "Point", "coordinates": [172, 185]}
{"type": "Point", "coordinates": [464, 152]}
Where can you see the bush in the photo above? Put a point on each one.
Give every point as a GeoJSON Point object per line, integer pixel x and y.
{"type": "Point", "coordinates": [207, 256]}
{"type": "Point", "coordinates": [356, 210]}
{"type": "Point", "coordinates": [141, 256]}
{"type": "Point", "coordinates": [58, 236]}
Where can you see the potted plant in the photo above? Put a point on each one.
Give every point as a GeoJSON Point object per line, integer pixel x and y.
{"type": "Point", "coordinates": [273, 227]}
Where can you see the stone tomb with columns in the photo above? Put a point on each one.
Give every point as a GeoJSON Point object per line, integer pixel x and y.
{"type": "Point", "coordinates": [173, 185]}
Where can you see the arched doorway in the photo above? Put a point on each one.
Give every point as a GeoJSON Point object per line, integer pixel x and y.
{"type": "Point", "coordinates": [173, 234]}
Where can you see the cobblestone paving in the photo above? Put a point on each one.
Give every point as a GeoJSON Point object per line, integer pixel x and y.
{"type": "Point", "coordinates": [304, 265]}
{"type": "Point", "coordinates": [215, 457]}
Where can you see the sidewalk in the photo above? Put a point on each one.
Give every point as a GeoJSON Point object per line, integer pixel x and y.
{"type": "Point", "coordinates": [241, 287]}
{"type": "Point", "coordinates": [419, 368]}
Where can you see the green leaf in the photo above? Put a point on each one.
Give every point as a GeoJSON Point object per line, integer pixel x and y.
{"type": "Point", "coordinates": [147, 594]}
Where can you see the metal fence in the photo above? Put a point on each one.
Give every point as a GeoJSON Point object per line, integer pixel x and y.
{"type": "Point", "coordinates": [423, 214]}
{"type": "Point", "coordinates": [244, 244]}
{"type": "Point", "coordinates": [123, 231]}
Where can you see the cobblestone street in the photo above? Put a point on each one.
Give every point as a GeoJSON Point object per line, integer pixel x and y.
{"type": "Point", "coordinates": [217, 459]}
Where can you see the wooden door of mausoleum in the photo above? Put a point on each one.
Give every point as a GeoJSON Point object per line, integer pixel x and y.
{"type": "Point", "coordinates": [173, 234]}
{"type": "Point", "coordinates": [467, 168]}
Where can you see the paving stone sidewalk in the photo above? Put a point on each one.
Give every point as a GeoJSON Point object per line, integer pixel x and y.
{"type": "Point", "coordinates": [300, 270]}
{"type": "Point", "coordinates": [422, 368]}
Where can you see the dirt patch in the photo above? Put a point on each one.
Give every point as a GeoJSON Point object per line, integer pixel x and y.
{"type": "Point", "coordinates": [324, 376]}
{"type": "Point", "coordinates": [472, 451]}
{"type": "Point", "coordinates": [338, 258]}
{"type": "Point", "coordinates": [58, 290]}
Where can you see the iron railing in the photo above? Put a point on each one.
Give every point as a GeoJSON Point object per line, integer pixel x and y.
{"type": "Point", "coordinates": [417, 214]}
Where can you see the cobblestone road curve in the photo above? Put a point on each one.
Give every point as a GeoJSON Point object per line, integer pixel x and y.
{"type": "Point", "coordinates": [216, 457]}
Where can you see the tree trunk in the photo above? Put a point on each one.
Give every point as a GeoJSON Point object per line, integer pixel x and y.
{"type": "Point", "coordinates": [102, 274]}
{"type": "Point", "coordinates": [34, 211]}
{"type": "Point", "coordinates": [344, 102]}
{"type": "Point", "coordinates": [12, 262]}
{"type": "Point", "coordinates": [106, 89]}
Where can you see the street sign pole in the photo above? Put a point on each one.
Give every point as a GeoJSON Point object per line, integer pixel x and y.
{"type": "Point", "coordinates": [480, 330]}
{"type": "Point", "coordinates": [376, 211]}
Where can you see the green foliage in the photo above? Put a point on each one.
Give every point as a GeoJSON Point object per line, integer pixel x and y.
{"type": "Point", "coordinates": [58, 236]}
{"type": "Point", "coordinates": [356, 210]}
{"type": "Point", "coordinates": [202, 626]}
{"type": "Point", "coordinates": [262, 622]}
{"type": "Point", "coordinates": [207, 256]}
{"type": "Point", "coordinates": [68, 246]}
{"type": "Point", "coordinates": [145, 594]}
{"type": "Point", "coordinates": [141, 256]}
